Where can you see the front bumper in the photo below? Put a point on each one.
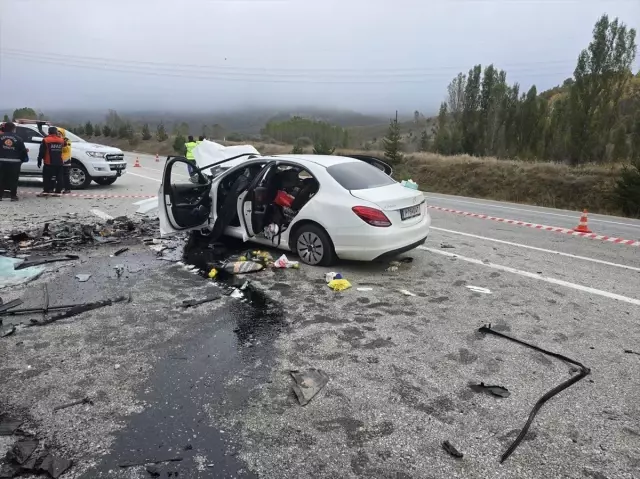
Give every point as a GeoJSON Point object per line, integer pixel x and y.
{"type": "Point", "coordinates": [106, 168]}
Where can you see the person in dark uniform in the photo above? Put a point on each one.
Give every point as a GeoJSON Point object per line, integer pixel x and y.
{"type": "Point", "coordinates": [51, 155]}
{"type": "Point", "coordinates": [12, 154]}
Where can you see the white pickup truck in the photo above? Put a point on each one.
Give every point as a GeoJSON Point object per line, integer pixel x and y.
{"type": "Point", "coordinates": [89, 161]}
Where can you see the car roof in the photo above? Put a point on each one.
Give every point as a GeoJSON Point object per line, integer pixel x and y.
{"type": "Point", "coordinates": [322, 160]}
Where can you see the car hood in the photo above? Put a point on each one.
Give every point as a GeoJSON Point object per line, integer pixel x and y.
{"type": "Point", "coordinates": [391, 197]}
{"type": "Point", "coordinates": [86, 146]}
{"type": "Point", "coordinates": [209, 152]}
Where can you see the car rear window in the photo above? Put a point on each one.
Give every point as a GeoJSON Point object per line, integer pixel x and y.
{"type": "Point", "coordinates": [357, 175]}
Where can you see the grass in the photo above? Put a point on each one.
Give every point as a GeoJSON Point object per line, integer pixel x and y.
{"type": "Point", "coordinates": [543, 184]}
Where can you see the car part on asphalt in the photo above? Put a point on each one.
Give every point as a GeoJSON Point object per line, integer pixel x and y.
{"type": "Point", "coordinates": [188, 303]}
{"type": "Point", "coordinates": [120, 251]}
{"type": "Point", "coordinates": [493, 390]}
{"type": "Point", "coordinates": [308, 384]}
{"type": "Point", "coordinates": [10, 305]}
{"type": "Point", "coordinates": [82, 308]}
{"type": "Point", "coordinates": [83, 278]}
{"type": "Point", "coordinates": [446, 246]}
{"type": "Point", "coordinates": [406, 292]}
{"type": "Point", "coordinates": [629, 351]}
{"type": "Point", "coordinates": [39, 261]}
{"type": "Point", "coordinates": [22, 450]}
{"type": "Point", "coordinates": [8, 425]}
{"type": "Point", "coordinates": [479, 289]}
{"type": "Point", "coordinates": [150, 461]}
{"type": "Point", "coordinates": [74, 403]}
{"type": "Point", "coordinates": [8, 331]}
{"type": "Point", "coordinates": [447, 446]}
{"type": "Point", "coordinates": [9, 276]}
{"type": "Point", "coordinates": [583, 372]}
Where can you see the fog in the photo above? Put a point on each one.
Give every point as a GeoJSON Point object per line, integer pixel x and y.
{"type": "Point", "coordinates": [365, 55]}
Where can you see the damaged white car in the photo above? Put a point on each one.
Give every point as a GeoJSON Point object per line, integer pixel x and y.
{"type": "Point", "coordinates": [319, 207]}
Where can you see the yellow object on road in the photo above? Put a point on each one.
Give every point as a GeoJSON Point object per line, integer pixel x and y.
{"type": "Point", "coordinates": [339, 284]}
{"type": "Point", "coordinates": [213, 273]}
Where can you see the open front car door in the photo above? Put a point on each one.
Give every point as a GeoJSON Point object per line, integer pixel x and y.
{"type": "Point", "coordinates": [253, 204]}
{"type": "Point", "coordinates": [183, 205]}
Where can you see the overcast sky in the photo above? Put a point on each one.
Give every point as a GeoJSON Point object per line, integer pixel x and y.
{"type": "Point", "coordinates": [366, 55]}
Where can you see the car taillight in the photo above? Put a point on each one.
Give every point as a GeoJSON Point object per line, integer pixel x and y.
{"type": "Point", "coordinates": [371, 216]}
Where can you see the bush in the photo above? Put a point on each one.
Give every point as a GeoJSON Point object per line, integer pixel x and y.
{"type": "Point", "coordinates": [322, 147]}
{"type": "Point", "coordinates": [627, 190]}
{"type": "Point", "coordinates": [178, 144]}
{"type": "Point", "coordinates": [297, 150]}
{"type": "Point", "coordinates": [134, 140]}
{"type": "Point", "coordinates": [235, 137]}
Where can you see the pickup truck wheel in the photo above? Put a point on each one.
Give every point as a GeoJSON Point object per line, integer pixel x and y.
{"type": "Point", "coordinates": [106, 181]}
{"type": "Point", "coordinates": [78, 176]}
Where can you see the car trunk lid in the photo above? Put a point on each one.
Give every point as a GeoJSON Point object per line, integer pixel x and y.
{"type": "Point", "coordinates": [403, 206]}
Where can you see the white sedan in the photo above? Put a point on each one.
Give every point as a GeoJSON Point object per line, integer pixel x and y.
{"type": "Point", "coordinates": [319, 207]}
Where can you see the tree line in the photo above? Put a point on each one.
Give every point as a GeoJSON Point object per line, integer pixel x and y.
{"type": "Point", "coordinates": [304, 132]}
{"type": "Point", "coordinates": [592, 117]}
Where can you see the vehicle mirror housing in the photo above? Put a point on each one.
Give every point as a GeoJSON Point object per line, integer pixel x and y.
{"type": "Point", "coordinates": [260, 194]}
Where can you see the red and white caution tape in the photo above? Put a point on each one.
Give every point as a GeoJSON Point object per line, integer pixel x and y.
{"type": "Point", "coordinates": [84, 195]}
{"type": "Point", "coordinates": [555, 229]}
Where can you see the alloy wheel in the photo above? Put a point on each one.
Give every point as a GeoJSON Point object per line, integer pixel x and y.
{"type": "Point", "coordinates": [310, 248]}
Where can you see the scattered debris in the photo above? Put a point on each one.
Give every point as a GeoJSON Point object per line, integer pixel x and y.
{"type": "Point", "coordinates": [188, 303]}
{"type": "Point", "coordinates": [446, 246]}
{"type": "Point", "coordinates": [153, 471]}
{"type": "Point", "coordinates": [7, 331]}
{"type": "Point", "coordinates": [120, 251]}
{"type": "Point", "coordinates": [10, 275]}
{"type": "Point", "coordinates": [409, 184]}
{"type": "Point", "coordinates": [54, 465]}
{"type": "Point", "coordinates": [339, 284]}
{"type": "Point", "coordinates": [393, 267]}
{"type": "Point", "coordinates": [242, 267]}
{"type": "Point", "coordinates": [8, 425]}
{"type": "Point", "coordinates": [21, 460]}
{"type": "Point", "coordinates": [328, 277]}
{"type": "Point", "coordinates": [584, 371]}
{"type": "Point", "coordinates": [83, 277]}
{"type": "Point", "coordinates": [119, 269]}
{"type": "Point", "coordinates": [10, 305]}
{"type": "Point", "coordinates": [22, 450]}
{"type": "Point", "coordinates": [308, 383]}
{"type": "Point", "coordinates": [74, 403]}
{"type": "Point", "coordinates": [236, 294]}
{"type": "Point", "coordinates": [629, 351]}
{"type": "Point", "coordinates": [213, 273]}
{"type": "Point", "coordinates": [478, 289]}
{"type": "Point", "coordinates": [447, 446]}
{"type": "Point", "coordinates": [364, 289]}
{"type": "Point", "coordinates": [283, 262]}
{"type": "Point", "coordinates": [493, 390]}
{"type": "Point", "coordinates": [150, 461]}
{"type": "Point", "coordinates": [82, 308]}
{"type": "Point", "coordinates": [406, 292]}
{"type": "Point", "coordinates": [45, 260]}
{"type": "Point", "coordinates": [406, 260]}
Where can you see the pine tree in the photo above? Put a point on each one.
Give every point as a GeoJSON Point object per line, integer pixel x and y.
{"type": "Point", "coordinates": [88, 129]}
{"type": "Point", "coordinates": [97, 130]}
{"type": "Point", "coordinates": [178, 144]}
{"type": "Point", "coordinates": [6, 118]}
{"type": "Point", "coordinates": [392, 142]}
{"type": "Point", "coordinates": [424, 141]}
{"type": "Point", "coordinates": [146, 134]}
{"type": "Point", "coordinates": [323, 147]}
{"type": "Point", "coordinates": [106, 131]}
{"type": "Point", "coordinates": [442, 140]}
{"type": "Point", "coordinates": [161, 133]}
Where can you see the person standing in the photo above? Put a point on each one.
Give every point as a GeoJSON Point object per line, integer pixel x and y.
{"type": "Point", "coordinates": [12, 154]}
{"type": "Point", "coordinates": [66, 161]}
{"type": "Point", "coordinates": [51, 155]}
{"type": "Point", "coordinates": [189, 146]}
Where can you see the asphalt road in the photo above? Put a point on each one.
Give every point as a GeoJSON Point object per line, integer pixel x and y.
{"type": "Point", "coordinates": [399, 364]}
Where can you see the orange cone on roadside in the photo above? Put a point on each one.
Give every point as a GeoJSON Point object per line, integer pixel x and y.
{"type": "Point", "coordinates": [137, 163]}
{"type": "Point", "coordinates": [582, 226]}
{"type": "Point", "coordinates": [157, 159]}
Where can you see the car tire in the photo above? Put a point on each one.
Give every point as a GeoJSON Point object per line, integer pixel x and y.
{"type": "Point", "coordinates": [313, 245]}
{"type": "Point", "coordinates": [106, 181]}
{"type": "Point", "coordinates": [78, 176]}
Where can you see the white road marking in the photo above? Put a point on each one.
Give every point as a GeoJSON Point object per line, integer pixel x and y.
{"type": "Point", "coordinates": [102, 214]}
{"type": "Point", "coordinates": [492, 205]}
{"type": "Point", "coordinates": [146, 177]}
{"type": "Point", "coordinates": [527, 274]}
{"type": "Point", "coordinates": [568, 255]}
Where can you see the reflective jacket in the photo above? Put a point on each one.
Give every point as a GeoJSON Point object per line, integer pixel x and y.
{"type": "Point", "coordinates": [190, 146]}
{"type": "Point", "coordinates": [51, 150]}
{"type": "Point", "coordinates": [12, 149]}
{"type": "Point", "coordinates": [66, 149]}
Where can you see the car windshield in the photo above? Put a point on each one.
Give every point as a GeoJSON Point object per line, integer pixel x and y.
{"type": "Point", "coordinates": [74, 138]}
{"type": "Point", "coordinates": [358, 175]}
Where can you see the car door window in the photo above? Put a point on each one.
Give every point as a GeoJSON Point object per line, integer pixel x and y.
{"type": "Point", "coordinates": [27, 134]}
{"type": "Point", "coordinates": [187, 204]}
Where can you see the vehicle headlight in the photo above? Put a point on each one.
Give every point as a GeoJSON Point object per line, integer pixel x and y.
{"type": "Point", "coordinates": [96, 154]}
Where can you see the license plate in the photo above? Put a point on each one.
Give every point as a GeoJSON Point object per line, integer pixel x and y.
{"type": "Point", "coordinates": [411, 212]}
{"type": "Point", "coordinates": [118, 167]}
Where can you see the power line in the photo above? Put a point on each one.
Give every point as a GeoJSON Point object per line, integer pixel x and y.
{"type": "Point", "coordinates": [301, 71]}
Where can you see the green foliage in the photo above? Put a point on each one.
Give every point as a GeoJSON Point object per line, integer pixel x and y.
{"type": "Point", "coordinates": [178, 144]}
{"type": "Point", "coordinates": [146, 134]}
{"type": "Point", "coordinates": [113, 120]}
{"type": "Point", "coordinates": [424, 141]}
{"type": "Point", "coordinates": [78, 130]}
{"type": "Point", "coordinates": [25, 113]}
{"type": "Point", "coordinates": [97, 130]}
{"type": "Point", "coordinates": [88, 129]}
{"type": "Point", "coordinates": [106, 131]}
{"type": "Point", "coordinates": [297, 149]}
{"type": "Point", "coordinates": [235, 137]}
{"type": "Point", "coordinates": [323, 147]}
{"type": "Point", "coordinates": [392, 143]}
{"type": "Point", "coordinates": [161, 132]}
{"type": "Point", "coordinates": [6, 118]}
{"type": "Point", "coordinates": [627, 191]}
{"type": "Point", "coordinates": [296, 127]}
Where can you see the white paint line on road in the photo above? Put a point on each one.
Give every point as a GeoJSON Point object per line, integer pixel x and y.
{"type": "Point", "coordinates": [145, 177]}
{"type": "Point", "coordinates": [535, 248]}
{"type": "Point", "coordinates": [539, 277]}
{"type": "Point", "coordinates": [492, 205]}
{"type": "Point", "coordinates": [101, 214]}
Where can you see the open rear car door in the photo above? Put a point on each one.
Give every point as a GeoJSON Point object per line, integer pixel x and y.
{"type": "Point", "coordinates": [373, 161]}
{"type": "Point", "coordinates": [254, 202]}
{"type": "Point", "coordinates": [183, 205]}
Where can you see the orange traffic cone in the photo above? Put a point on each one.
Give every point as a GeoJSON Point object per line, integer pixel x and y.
{"type": "Point", "coordinates": [582, 226]}
{"type": "Point", "coordinates": [157, 159]}
{"type": "Point", "coordinates": [137, 163]}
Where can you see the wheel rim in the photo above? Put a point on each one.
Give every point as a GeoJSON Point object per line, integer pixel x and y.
{"type": "Point", "coordinates": [310, 248]}
{"type": "Point", "coordinates": [77, 177]}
